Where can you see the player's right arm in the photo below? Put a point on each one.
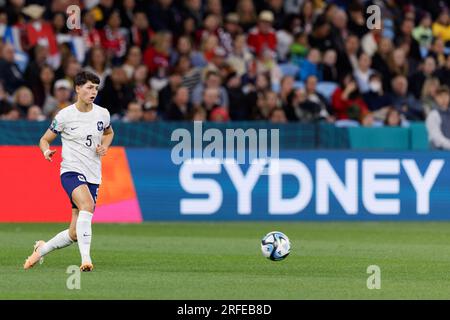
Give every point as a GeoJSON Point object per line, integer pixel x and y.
{"type": "Point", "coordinates": [56, 127]}
{"type": "Point", "coordinates": [44, 144]}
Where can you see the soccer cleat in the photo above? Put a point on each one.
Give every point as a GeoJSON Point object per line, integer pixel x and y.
{"type": "Point", "coordinates": [86, 267]}
{"type": "Point", "coordinates": [35, 256]}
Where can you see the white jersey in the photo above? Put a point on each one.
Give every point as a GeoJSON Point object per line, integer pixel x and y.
{"type": "Point", "coordinates": [81, 133]}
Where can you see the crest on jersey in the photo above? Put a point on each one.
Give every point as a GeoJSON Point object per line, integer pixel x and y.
{"type": "Point", "coordinates": [54, 124]}
{"type": "Point", "coordinates": [100, 126]}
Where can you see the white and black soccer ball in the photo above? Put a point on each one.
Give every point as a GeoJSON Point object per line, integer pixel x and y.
{"type": "Point", "coordinates": [275, 246]}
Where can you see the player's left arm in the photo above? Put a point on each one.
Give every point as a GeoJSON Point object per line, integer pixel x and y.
{"type": "Point", "coordinates": [107, 139]}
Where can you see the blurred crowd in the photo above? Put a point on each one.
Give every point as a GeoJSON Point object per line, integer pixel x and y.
{"type": "Point", "coordinates": [234, 60]}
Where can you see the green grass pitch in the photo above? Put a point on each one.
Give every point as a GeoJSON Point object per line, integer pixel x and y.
{"type": "Point", "coordinates": [224, 261]}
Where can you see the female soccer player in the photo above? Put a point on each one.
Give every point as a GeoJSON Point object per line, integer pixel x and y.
{"type": "Point", "coordinates": [86, 134]}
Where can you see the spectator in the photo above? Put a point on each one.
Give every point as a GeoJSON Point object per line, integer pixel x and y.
{"type": "Point", "coordinates": [298, 108]}
{"type": "Point", "coordinates": [91, 35]}
{"type": "Point", "coordinates": [210, 100]}
{"type": "Point", "coordinates": [219, 114]}
{"type": "Point", "coordinates": [428, 96]}
{"type": "Point", "coordinates": [398, 65]}
{"type": "Point", "coordinates": [211, 26]}
{"type": "Point", "coordinates": [198, 114]}
{"type": "Point", "coordinates": [357, 22]}
{"type": "Point", "coordinates": [68, 69]}
{"type": "Point", "coordinates": [232, 29]}
{"type": "Point", "coordinates": [247, 14]}
{"type": "Point", "coordinates": [438, 121]}
{"type": "Point", "coordinates": [165, 94]}
{"type": "Point", "coordinates": [239, 108]}
{"type": "Point", "coordinates": [212, 80]}
{"type": "Point", "coordinates": [132, 61]}
{"type": "Point", "coordinates": [363, 72]}
{"type": "Point", "coordinates": [150, 113]}
{"type": "Point", "coordinates": [240, 56]}
{"type": "Point", "coordinates": [192, 11]}
{"type": "Point", "coordinates": [348, 60]}
{"type": "Point", "coordinates": [437, 51]}
{"type": "Point", "coordinates": [277, 115]}
{"type": "Point", "coordinates": [423, 33]}
{"type": "Point", "coordinates": [42, 90]}
{"type": "Point", "coordinates": [394, 118]}
{"type": "Point", "coordinates": [157, 55]}
{"type": "Point", "coordinates": [417, 80]}
{"type": "Point", "coordinates": [314, 97]}
{"type": "Point", "coordinates": [37, 30]}
{"type": "Point", "coordinates": [184, 48]}
{"type": "Point", "coordinates": [191, 76]}
{"type": "Point", "coordinates": [405, 102]}
{"type": "Point", "coordinates": [286, 88]}
{"type": "Point", "coordinates": [443, 73]}
{"type": "Point", "coordinates": [307, 16]}
{"type": "Point", "coordinates": [310, 66]}
{"type": "Point", "coordinates": [23, 99]}
{"type": "Point", "coordinates": [134, 112]}
{"type": "Point", "coordinates": [260, 110]}
{"type": "Point", "coordinates": [102, 11]}
{"type": "Point", "coordinates": [267, 64]}
{"type": "Point", "coordinates": [59, 26]}
{"type": "Point", "coordinates": [380, 61]}
{"type": "Point", "coordinates": [141, 33]}
{"type": "Point", "coordinates": [180, 107]}
{"type": "Point", "coordinates": [5, 106]}
{"type": "Point", "coordinates": [277, 8]}
{"type": "Point", "coordinates": [116, 93]}
{"type": "Point", "coordinates": [35, 114]}
{"type": "Point", "coordinates": [339, 30]}
{"type": "Point", "coordinates": [367, 120]}
{"type": "Point", "coordinates": [347, 102]}
{"type": "Point", "coordinates": [272, 102]}
{"type": "Point", "coordinates": [377, 101]}
{"type": "Point", "coordinates": [300, 47]}
{"type": "Point", "coordinates": [98, 64]}
{"type": "Point", "coordinates": [62, 94]}
{"type": "Point", "coordinates": [33, 70]}
{"type": "Point", "coordinates": [217, 60]}
{"type": "Point", "coordinates": [263, 37]}
{"type": "Point", "coordinates": [9, 72]}
{"type": "Point", "coordinates": [12, 114]}
{"type": "Point", "coordinates": [140, 85]}
{"type": "Point", "coordinates": [127, 7]}
{"type": "Point", "coordinates": [405, 36]}
{"type": "Point", "coordinates": [321, 37]}
{"type": "Point", "coordinates": [441, 28]}
{"type": "Point", "coordinates": [189, 29]}
{"type": "Point", "coordinates": [329, 69]}
{"type": "Point", "coordinates": [369, 43]}
{"type": "Point", "coordinates": [163, 15]}
{"type": "Point", "coordinates": [114, 39]}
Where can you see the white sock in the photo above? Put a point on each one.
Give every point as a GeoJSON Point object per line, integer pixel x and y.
{"type": "Point", "coordinates": [84, 235]}
{"type": "Point", "coordinates": [59, 241]}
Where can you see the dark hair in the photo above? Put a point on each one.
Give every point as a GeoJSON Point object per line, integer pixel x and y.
{"type": "Point", "coordinates": [443, 90]}
{"type": "Point", "coordinates": [390, 111]}
{"type": "Point", "coordinates": [84, 76]}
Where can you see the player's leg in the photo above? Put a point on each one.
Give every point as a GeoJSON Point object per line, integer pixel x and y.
{"type": "Point", "coordinates": [82, 198]}
{"type": "Point", "coordinates": [61, 240]}
{"type": "Point", "coordinates": [73, 224]}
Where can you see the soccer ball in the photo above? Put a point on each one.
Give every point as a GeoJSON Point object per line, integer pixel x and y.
{"type": "Point", "coordinates": [275, 246]}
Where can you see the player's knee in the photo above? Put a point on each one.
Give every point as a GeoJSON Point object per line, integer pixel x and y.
{"type": "Point", "coordinates": [87, 206]}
